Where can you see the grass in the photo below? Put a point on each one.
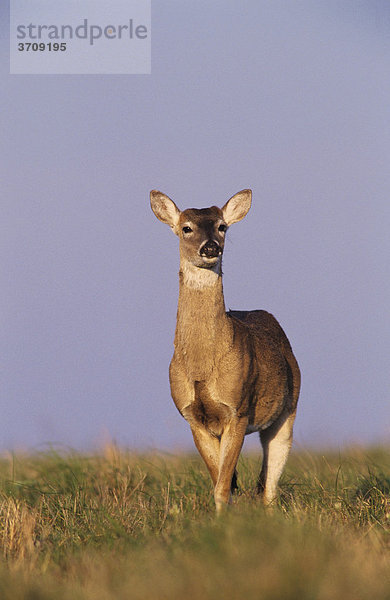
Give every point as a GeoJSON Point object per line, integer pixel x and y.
{"type": "Point", "coordinates": [120, 525]}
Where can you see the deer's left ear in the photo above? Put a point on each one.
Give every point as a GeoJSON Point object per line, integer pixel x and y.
{"type": "Point", "coordinates": [237, 207]}
{"type": "Point", "coordinates": [165, 209]}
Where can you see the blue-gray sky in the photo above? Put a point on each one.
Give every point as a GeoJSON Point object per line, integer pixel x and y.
{"type": "Point", "coordinates": [291, 99]}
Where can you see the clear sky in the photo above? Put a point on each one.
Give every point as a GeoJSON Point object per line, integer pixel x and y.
{"type": "Point", "coordinates": [290, 98]}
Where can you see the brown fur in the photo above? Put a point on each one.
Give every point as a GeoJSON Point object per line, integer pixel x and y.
{"type": "Point", "coordinates": [231, 373]}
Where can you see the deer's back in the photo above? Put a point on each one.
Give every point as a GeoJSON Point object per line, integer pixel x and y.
{"type": "Point", "coordinates": [262, 324]}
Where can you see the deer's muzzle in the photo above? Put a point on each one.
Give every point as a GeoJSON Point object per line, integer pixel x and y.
{"type": "Point", "coordinates": [210, 249]}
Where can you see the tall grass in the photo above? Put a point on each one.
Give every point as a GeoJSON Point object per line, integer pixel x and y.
{"type": "Point", "coordinates": [119, 525]}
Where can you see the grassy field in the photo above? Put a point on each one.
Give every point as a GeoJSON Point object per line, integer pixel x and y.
{"type": "Point", "coordinates": [118, 525]}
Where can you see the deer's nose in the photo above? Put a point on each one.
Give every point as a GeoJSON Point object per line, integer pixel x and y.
{"type": "Point", "coordinates": [211, 249]}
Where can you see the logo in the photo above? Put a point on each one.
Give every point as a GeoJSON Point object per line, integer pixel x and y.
{"type": "Point", "coordinates": [92, 37]}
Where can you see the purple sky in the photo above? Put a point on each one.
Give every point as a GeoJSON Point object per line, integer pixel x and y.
{"type": "Point", "coordinates": [291, 99]}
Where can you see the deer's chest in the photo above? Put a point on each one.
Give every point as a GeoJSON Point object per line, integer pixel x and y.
{"type": "Point", "coordinates": [207, 410]}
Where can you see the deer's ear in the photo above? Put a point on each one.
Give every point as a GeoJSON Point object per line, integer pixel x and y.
{"type": "Point", "coordinates": [165, 209]}
{"type": "Point", "coordinates": [237, 207]}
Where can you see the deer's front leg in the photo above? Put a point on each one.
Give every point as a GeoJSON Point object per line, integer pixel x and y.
{"type": "Point", "coordinates": [208, 447]}
{"type": "Point", "coordinates": [229, 450]}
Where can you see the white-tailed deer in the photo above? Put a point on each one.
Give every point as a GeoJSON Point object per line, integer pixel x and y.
{"type": "Point", "coordinates": [232, 373]}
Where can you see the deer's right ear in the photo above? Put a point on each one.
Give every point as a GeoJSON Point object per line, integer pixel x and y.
{"type": "Point", "coordinates": [165, 209]}
{"type": "Point", "coordinates": [237, 207]}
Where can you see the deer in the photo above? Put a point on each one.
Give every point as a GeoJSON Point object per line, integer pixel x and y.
{"type": "Point", "coordinates": [232, 372]}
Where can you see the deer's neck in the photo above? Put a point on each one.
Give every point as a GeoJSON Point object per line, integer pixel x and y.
{"type": "Point", "coordinates": [203, 331]}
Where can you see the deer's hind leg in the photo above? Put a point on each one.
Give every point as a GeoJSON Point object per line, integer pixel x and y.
{"type": "Point", "coordinates": [276, 441]}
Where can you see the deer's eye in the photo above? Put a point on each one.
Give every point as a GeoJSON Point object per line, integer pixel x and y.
{"type": "Point", "coordinates": [222, 228]}
{"type": "Point", "coordinates": [187, 229]}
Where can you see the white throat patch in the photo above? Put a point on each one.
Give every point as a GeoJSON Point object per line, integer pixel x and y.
{"type": "Point", "coordinates": [198, 278]}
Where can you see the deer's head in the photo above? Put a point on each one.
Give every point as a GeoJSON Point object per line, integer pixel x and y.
{"type": "Point", "coordinates": [201, 231]}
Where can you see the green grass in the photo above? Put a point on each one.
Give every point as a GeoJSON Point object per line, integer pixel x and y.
{"type": "Point", "coordinates": [120, 525]}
